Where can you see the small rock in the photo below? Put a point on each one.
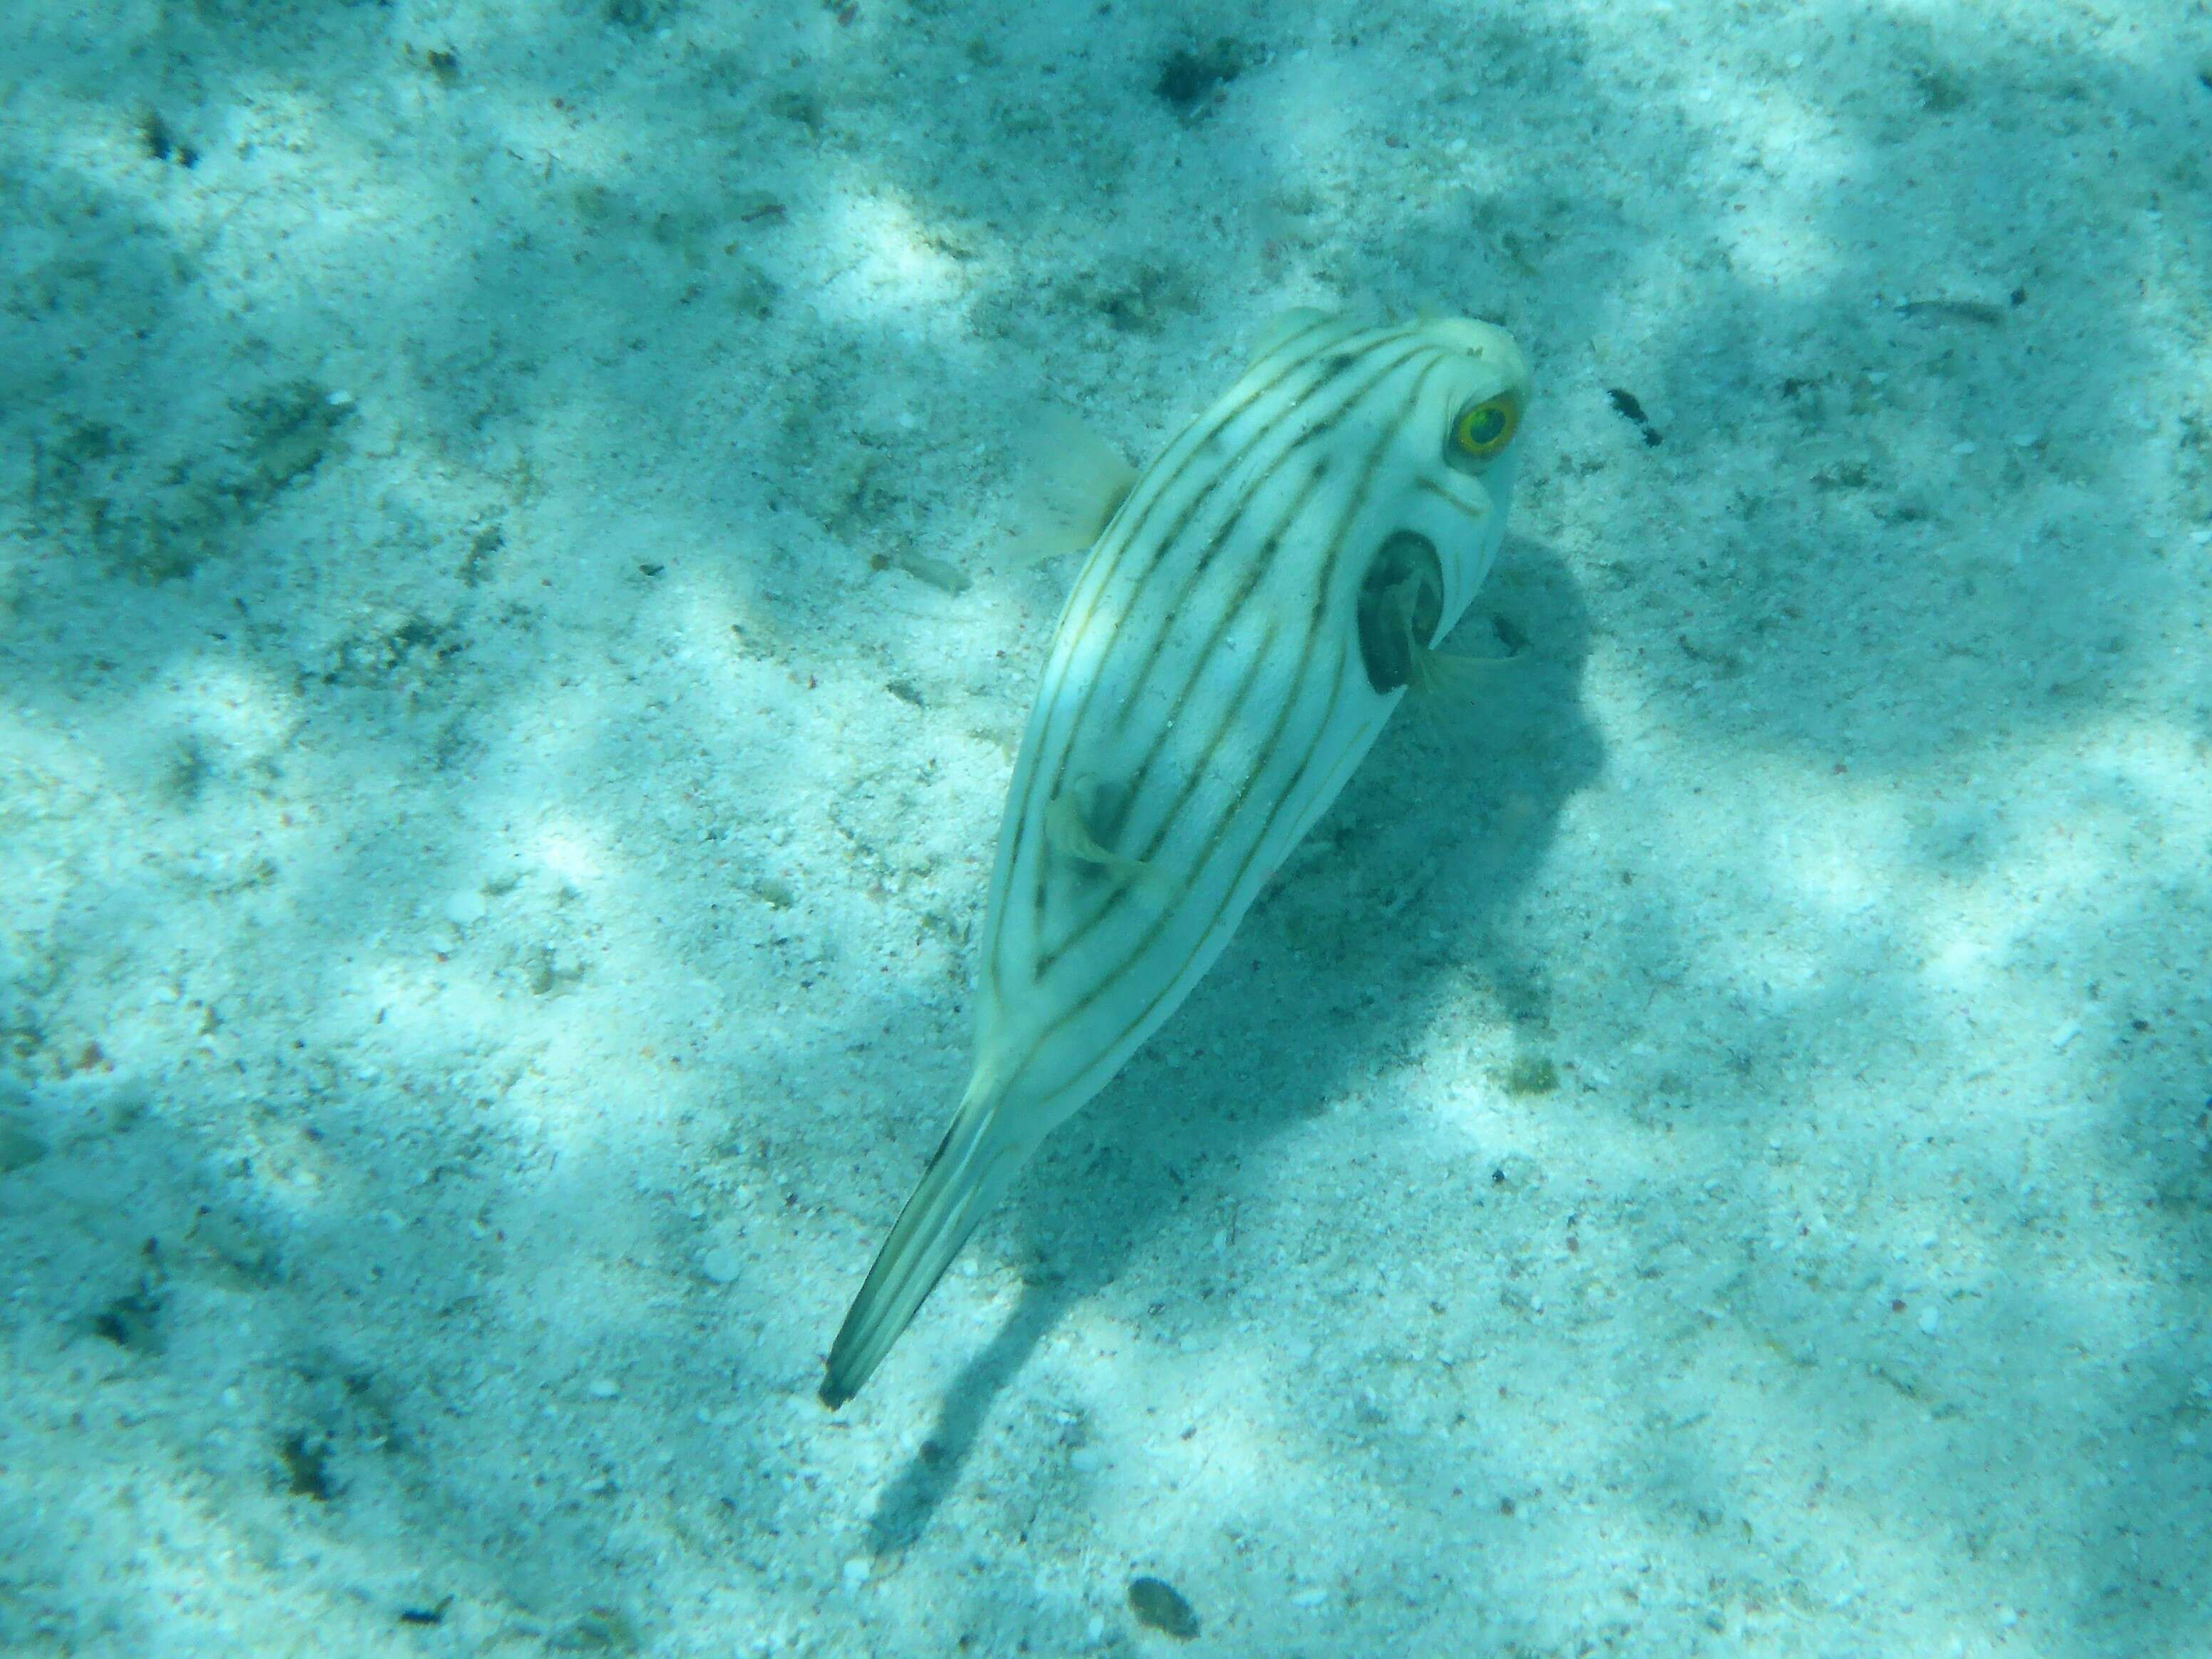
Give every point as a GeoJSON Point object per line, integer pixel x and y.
{"type": "Point", "coordinates": [236, 1245]}
{"type": "Point", "coordinates": [307, 1467]}
{"type": "Point", "coordinates": [1929, 1320]}
{"type": "Point", "coordinates": [133, 1321]}
{"type": "Point", "coordinates": [721, 1264]}
{"type": "Point", "coordinates": [465, 906]}
{"type": "Point", "coordinates": [856, 1572]}
{"type": "Point", "coordinates": [602, 1630]}
{"type": "Point", "coordinates": [602, 1389]}
{"type": "Point", "coordinates": [19, 1148]}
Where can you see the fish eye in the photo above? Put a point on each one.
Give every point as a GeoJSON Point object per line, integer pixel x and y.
{"type": "Point", "coordinates": [1484, 429]}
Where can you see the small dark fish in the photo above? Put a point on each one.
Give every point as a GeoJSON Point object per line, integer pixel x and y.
{"type": "Point", "coordinates": [939, 574]}
{"type": "Point", "coordinates": [1954, 311]}
{"type": "Point", "coordinates": [1626, 403]}
{"type": "Point", "coordinates": [1160, 1604]}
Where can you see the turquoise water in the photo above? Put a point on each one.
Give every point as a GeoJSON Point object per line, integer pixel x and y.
{"type": "Point", "coordinates": [514, 625]}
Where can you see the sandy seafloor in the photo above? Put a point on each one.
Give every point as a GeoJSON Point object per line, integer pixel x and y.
{"type": "Point", "coordinates": [1707, 1151]}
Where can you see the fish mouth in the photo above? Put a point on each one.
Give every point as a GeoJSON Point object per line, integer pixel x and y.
{"type": "Point", "coordinates": [1402, 601]}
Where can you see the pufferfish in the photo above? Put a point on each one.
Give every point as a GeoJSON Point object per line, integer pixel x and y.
{"type": "Point", "coordinates": [1254, 606]}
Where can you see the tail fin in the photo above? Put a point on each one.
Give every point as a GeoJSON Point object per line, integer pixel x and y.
{"type": "Point", "coordinates": [974, 1163]}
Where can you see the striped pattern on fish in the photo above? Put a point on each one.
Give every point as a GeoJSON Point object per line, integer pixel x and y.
{"type": "Point", "coordinates": [1240, 633]}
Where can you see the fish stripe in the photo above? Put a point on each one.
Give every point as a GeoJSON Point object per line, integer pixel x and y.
{"type": "Point", "coordinates": [1173, 984]}
{"type": "Point", "coordinates": [1356, 399]}
{"type": "Point", "coordinates": [1204, 879]}
{"type": "Point", "coordinates": [1196, 773]}
{"type": "Point", "coordinates": [1128, 524]}
{"type": "Point", "coordinates": [1127, 531]}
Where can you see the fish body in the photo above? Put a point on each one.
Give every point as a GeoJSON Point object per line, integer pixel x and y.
{"type": "Point", "coordinates": [1243, 626]}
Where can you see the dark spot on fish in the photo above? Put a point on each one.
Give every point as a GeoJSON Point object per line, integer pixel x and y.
{"type": "Point", "coordinates": [1401, 602]}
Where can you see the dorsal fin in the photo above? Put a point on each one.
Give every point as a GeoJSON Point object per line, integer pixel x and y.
{"type": "Point", "coordinates": [1282, 327]}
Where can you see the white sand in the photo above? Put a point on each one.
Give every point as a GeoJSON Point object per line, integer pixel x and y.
{"type": "Point", "coordinates": [482, 941]}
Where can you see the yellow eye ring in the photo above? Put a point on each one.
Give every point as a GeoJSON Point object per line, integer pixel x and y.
{"type": "Point", "coordinates": [1484, 429]}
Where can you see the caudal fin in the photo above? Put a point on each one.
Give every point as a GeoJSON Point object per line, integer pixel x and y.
{"type": "Point", "coordinates": [974, 1163]}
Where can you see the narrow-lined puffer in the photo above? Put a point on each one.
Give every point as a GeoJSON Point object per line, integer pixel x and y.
{"type": "Point", "coordinates": [1252, 611]}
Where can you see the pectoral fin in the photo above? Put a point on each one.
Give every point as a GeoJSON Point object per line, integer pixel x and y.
{"type": "Point", "coordinates": [1069, 833]}
{"type": "Point", "coordinates": [1450, 674]}
{"type": "Point", "coordinates": [1400, 610]}
{"type": "Point", "coordinates": [1073, 482]}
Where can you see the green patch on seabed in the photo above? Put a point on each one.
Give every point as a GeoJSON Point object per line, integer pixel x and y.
{"type": "Point", "coordinates": [1531, 1075]}
{"type": "Point", "coordinates": [154, 518]}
